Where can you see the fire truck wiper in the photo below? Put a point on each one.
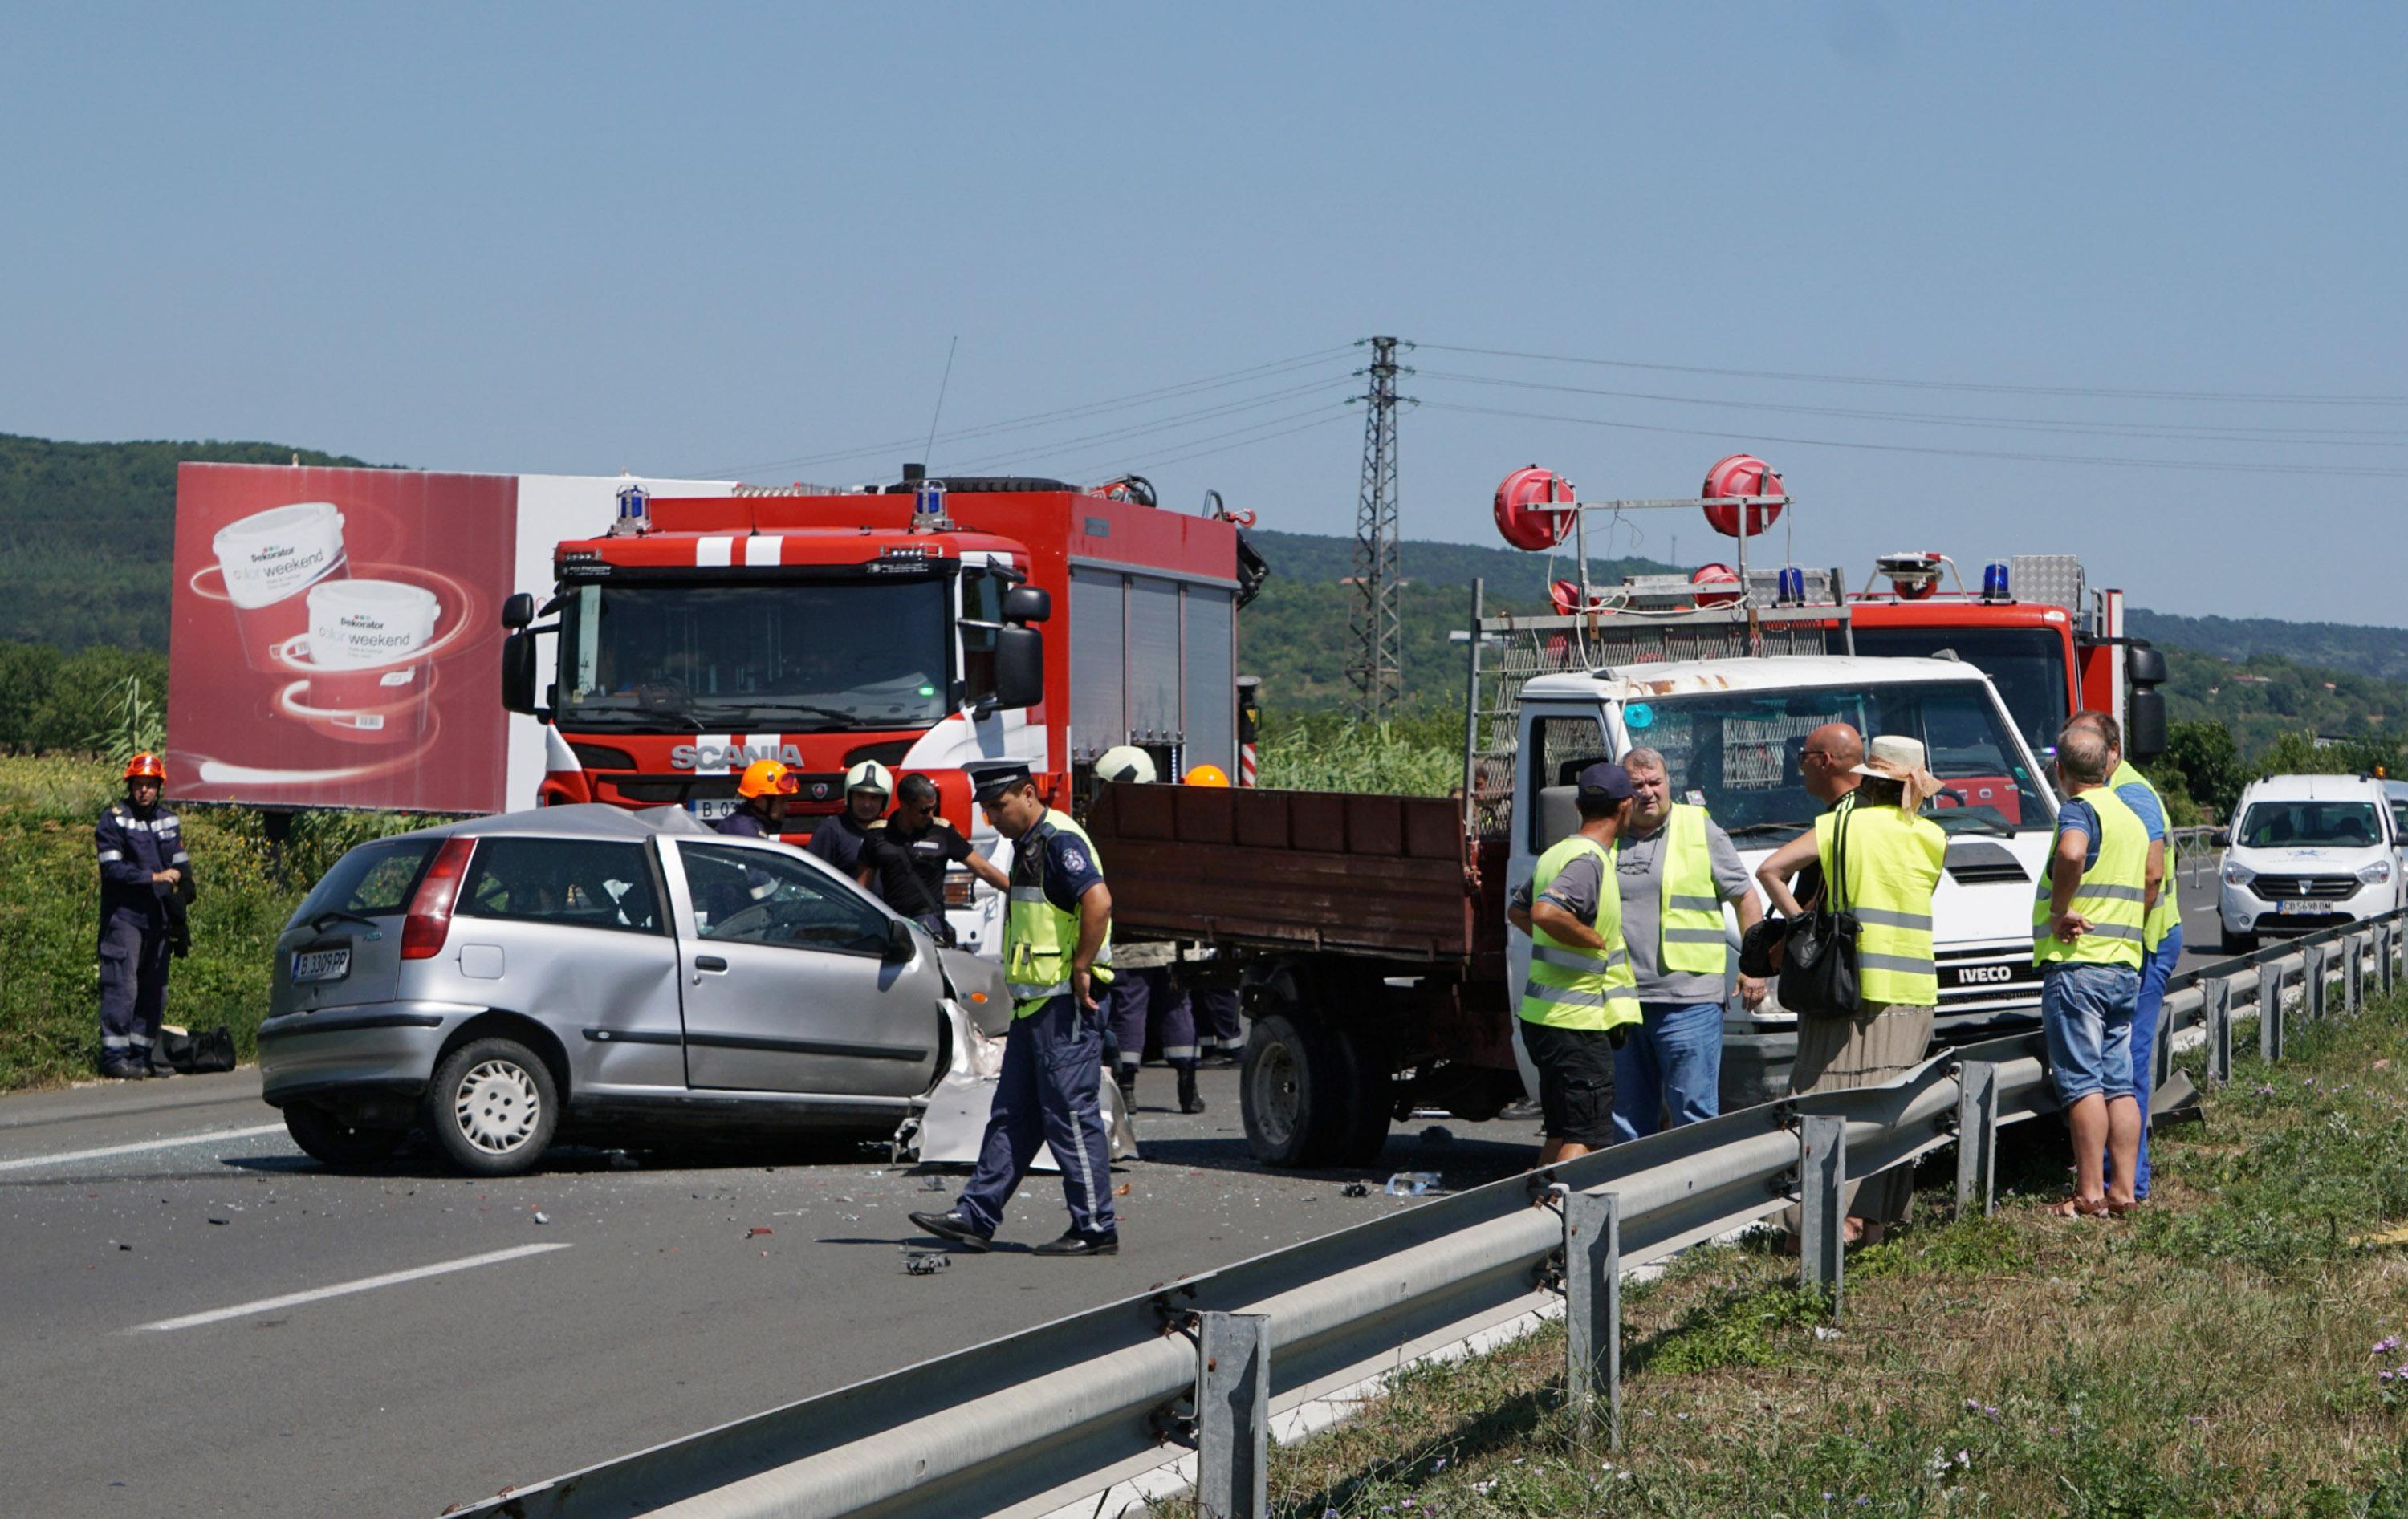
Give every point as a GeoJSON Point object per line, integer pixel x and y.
{"type": "Point", "coordinates": [769, 708]}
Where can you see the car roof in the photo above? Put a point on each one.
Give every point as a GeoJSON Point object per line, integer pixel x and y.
{"type": "Point", "coordinates": [2314, 788]}
{"type": "Point", "coordinates": [579, 819]}
{"type": "Point", "coordinates": [1686, 677]}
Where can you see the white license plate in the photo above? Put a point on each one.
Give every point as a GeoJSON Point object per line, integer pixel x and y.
{"type": "Point", "coordinates": [2289, 908]}
{"type": "Point", "coordinates": [320, 964]}
{"type": "Point", "coordinates": [708, 809]}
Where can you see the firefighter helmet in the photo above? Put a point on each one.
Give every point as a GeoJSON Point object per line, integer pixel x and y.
{"type": "Point", "coordinates": [1208, 775]}
{"type": "Point", "coordinates": [766, 778]}
{"type": "Point", "coordinates": [146, 767]}
{"type": "Point", "coordinates": [869, 776]}
{"type": "Point", "coordinates": [1127, 762]}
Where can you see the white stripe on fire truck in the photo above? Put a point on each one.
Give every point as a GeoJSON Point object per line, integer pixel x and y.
{"type": "Point", "coordinates": [715, 551]}
{"type": "Point", "coordinates": [762, 549]}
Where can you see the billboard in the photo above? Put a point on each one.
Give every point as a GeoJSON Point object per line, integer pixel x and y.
{"type": "Point", "coordinates": [334, 636]}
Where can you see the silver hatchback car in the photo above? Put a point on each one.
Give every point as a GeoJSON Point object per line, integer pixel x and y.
{"type": "Point", "coordinates": [590, 972]}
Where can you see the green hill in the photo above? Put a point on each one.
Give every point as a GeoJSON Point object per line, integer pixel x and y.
{"type": "Point", "coordinates": [2379, 653]}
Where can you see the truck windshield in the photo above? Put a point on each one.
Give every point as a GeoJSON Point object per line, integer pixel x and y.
{"type": "Point", "coordinates": [2277, 824]}
{"type": "Point", "coordinates": [797, 656]}
{"type": "Point", "coordinates": [1737, 752]}
{"type": "Point", "coordinates": [2026, 664]}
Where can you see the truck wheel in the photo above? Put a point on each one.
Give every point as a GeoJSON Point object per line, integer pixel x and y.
{"type": "Point", "coordinates": [336, 1144]}
{"type": "Point", "coordinates": [1294, 1093]}
{"type": "Point", "coordinates": [492, 1106]}
{"type": "Point", "coordinates": [1372, 1102]}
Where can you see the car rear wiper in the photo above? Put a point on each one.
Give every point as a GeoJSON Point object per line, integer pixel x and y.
{"type": "Point", "coordinates": [335, 914]}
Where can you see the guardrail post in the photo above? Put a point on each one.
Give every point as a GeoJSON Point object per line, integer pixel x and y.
{"type": "Point", "coordinates": [1977, 1136]}
{"type": "Point", "coordinates": [2353, 967]}
{"type": "Point", "coordinates": [1593, 1311]}
{"type": "Point", "coordinates": [2312, 1005]}
{"type": "Point", "coordinates": [2387, 937]}
{"type": "Point", "coordinates": [2218, 995]}
{"type": "Point", "coordinates": [1233, 1403]}
{"type": "Point", "coordinates": [2269, 1013]}
{"type": "Point", "coordinates": [1823, 1198]}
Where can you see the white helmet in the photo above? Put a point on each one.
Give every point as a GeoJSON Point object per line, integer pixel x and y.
{"type": "Point", "coordinates": [870, 775]}
{"type": "Point", "coordinates": [1127, 762]}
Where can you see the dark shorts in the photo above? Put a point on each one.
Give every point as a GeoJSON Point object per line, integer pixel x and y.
{"type": "Point", "coordinates": [1575, 1082]}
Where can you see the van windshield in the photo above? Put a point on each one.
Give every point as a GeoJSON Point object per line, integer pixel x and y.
{"type": "Point", "coordinates": [1736, 753]}
{"type": "Point", "coordinates": [2282, 825]}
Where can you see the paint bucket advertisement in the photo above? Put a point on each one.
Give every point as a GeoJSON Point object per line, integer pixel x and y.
{"type": "Point", "coordinates": [335, 640]}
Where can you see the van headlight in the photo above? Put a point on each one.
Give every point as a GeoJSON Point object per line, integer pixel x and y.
{"type": "Point", "coordinates": [2376, 874]}
{"type": "Point", "coordinates": [2237, 875]}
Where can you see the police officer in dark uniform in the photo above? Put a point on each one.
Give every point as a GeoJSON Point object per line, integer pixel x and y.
{"type": "Point", "coordinates": [143, 871]}
{"type": "Point", "coordinates": [1058, 956]}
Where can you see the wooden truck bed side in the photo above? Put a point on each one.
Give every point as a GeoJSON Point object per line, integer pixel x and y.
{"type": "Point", "coordinates": [1381, 876]}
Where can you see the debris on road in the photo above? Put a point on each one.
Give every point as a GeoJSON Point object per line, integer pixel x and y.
{"type": "Point", "coordinates": [217, 1221]}
{"type": "Point", "coordinates": [1413, 1183]}
{"type": "Point", "coordinates": [542, 1217]}
{"type": "Point", "coordinates": [1355, 1189]}
{"type": "Point", "coordinates": [927, 1264]}
{"type": "Point", "coordinates": [757, 1230]}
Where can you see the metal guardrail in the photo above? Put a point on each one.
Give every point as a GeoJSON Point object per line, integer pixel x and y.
{"type": "Point", "coordinates": [1068, 1406]}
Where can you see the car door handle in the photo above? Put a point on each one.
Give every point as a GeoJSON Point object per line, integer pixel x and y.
{"type": "Point", "coordinates": [709, 962]}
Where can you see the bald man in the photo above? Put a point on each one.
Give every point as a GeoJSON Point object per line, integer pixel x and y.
{"type": "Point", "coordinates": [1829, 760]}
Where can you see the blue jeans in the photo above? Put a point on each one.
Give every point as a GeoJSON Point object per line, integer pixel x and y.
{"type": "Point", "coordinates": [1672, 1060]}
{"type": "Point", "coordinates": [2085, 1014]}
{"type": "Point", "coordinates": [2154, 971]}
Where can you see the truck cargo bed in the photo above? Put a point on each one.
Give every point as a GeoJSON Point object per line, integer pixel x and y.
{"type": "Point", "coordinates": [1385, 875]}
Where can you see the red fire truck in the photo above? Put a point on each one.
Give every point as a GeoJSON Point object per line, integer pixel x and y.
{"type": "Point", "coordinates": [900, 625]}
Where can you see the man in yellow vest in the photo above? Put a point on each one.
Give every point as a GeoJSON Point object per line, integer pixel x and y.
{"type": "Point", "coordinates": [1056, 957]}
{"type": "Point", "coordinates": [2089, 920]}
{"type": "Point", "coordinates": [2162, 950]}
{"type": "Point", "coordinates": [1675, 868]}
{"type": "Point", "coordinates": [1580, 1002]}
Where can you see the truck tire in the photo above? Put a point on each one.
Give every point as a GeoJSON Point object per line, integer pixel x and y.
{"type": "Point", "coordinates": [1296, 1093]}
{"type": "Point", "coordinates": [1372, 1094]}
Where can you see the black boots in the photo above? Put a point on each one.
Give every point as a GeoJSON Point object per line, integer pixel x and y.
{"type": "Point", "coordinates": [1190, 1101]}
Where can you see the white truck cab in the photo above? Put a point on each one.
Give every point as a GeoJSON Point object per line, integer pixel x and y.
{"type": "Point", "coordinates": [2308, 851]}
{"type": "Point", "coordinates": [1730, 731]}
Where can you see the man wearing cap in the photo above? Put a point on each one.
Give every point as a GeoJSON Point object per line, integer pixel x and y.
{"type": "Point", "coordinates": [1581, 1001]}
{"type": "Point", "coordinates": [1892, 863]}
{"type": "Point", "coordinates": [841, 840]}
{"type": "Point", "coordinates": [1675, 868]}
{"type": "Point", "coordinates": [2163, 946]}
{"type": "Point", "coordinates": [143, 872]}
{"type": "Point", "coordinates": [761, 801]}
{"type": "Point", "coordinates": [1057, 955]}
{"type": "Point", "coordinates": [2089, 923]}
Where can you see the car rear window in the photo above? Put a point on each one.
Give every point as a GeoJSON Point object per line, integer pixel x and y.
{"type": "Point", "coordinates": [572, 883]}
{"type": "Point", "coordinates": [374, 881]}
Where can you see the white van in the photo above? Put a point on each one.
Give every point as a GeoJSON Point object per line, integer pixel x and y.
{"type": "Point", "coordinates": [2309, 851]}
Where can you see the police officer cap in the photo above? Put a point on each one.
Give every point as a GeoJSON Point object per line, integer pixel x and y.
{"type": "Point", "coordinates": [990, 780]}
{"type": "Point", "coordinates": [1604, 782]}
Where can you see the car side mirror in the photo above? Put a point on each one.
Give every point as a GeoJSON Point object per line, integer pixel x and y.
{"type": "Point", "coordinates": [517, 611]}
{"type": "Point", "coordinates": [2221, 838]}
{"type": "Point", "coordinates": [1027, 603]}
{"type": "Point", "coordinates": [1018, 667]}
{"type": "Point", "coordinates": [518, 672]}
{"type": "Point", "coordinates": [900, 948]}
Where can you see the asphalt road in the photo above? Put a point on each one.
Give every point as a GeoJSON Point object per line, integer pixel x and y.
{"type": "Point", "coordinates": [201, 1320]}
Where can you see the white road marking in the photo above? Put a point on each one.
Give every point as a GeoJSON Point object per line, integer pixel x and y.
{"type": "Point", "coordinates": [190, 1320]}
{"type": "Point", "coordinates": [68, 1156]}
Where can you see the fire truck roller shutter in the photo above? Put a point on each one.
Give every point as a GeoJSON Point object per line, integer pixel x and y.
{"type": "Point", "coordinates": [1211, 679]}
{"type": "Point", "coordinates": [1099, 698]}
{"type": "Point", "coordinates": [1153, 659]}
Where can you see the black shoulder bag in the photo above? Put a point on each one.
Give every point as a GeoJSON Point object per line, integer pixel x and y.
{"type": "Point", "coordinates": [1818, 965]}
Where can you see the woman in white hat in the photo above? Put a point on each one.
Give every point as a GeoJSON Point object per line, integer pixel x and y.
{"type": "Point", "coordinates": [1893, 859]}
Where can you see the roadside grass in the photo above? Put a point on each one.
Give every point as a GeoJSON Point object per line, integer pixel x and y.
{"type": "Point", "coordinates": [2221, 1352]}
{"type": "Point", "coordinates": [49, 915]}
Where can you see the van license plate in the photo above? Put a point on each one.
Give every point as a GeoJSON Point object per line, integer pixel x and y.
{"type": "Point", "coordinates": [320, 964]}
{"type": "Point", "coordinates": [2291, 909]}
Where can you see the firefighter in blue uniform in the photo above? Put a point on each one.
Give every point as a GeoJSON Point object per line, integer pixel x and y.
{"type": "Point", "coordinates": [761, 801]}
{"type": "Point", "coordinates": [1058, 956]}
{"type": "Point", "coordinates": [145, 878]}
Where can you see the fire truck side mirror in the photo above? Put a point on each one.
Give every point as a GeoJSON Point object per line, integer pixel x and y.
{"type": "Point", "coordinates": [517, 611]}
{"type": "Point", "coordinates": [1027, 603]}
{"type": "Point", "coordinates": [1018, 667]}
{"type": "Point", "coordinates": [518, 673]}
{"type": "Point", "coordinates": [2147, 666]}
{"type": "Point", "coordinates": [2145, 725]}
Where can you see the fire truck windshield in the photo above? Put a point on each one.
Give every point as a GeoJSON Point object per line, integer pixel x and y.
{"type": "Point", "coordinates": [1737, 752]}
{"type": "Point", "coordinates": [798, 656]}
{"type": "Point", "coordinates": [2026, 664]}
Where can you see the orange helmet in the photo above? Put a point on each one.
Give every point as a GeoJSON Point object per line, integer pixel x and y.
{"type": "Point", "coordinates": [1208, 775]}
{"type": "Point", "coordinates": [146, 766]}
{"type": "Point", "coordinates": [767, 778]}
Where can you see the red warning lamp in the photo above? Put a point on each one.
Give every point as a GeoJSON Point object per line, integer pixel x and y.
{"type": "Point", "coordinates": [1534, 508]}
{"type": "Point", "coordinates": [1742, 473]}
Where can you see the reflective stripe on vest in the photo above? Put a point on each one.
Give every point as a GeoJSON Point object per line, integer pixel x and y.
{"type": "Point", "coordinates": [1570, 986]}
{"type": "Point", "coordinates": [1039, 936]}
{"type": "Point", "coordinates": [1691, 910]}
{"type": "Point", "coordinates": [2165, 916]}
{"type": "Point", "coordinates": [2108, 896]}
{"type": "Point", "coordinates": [1894, 864]}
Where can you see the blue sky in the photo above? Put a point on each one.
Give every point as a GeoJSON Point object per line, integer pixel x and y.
{"type": "Point", "coordinates": [679, 240]}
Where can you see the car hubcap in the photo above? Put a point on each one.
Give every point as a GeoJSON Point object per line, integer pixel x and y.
{"type": "Point", "coordinates": [497, 1107]}
{"type": "Point", "coordinates": [1278, 1097]}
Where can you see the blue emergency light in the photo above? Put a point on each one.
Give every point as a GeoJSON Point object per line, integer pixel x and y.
{"type": "Point", "coordinates": [928, 499]}
{"type": "Point", "coordinates": [1791, 589]}
{"type": "Point", "coordinates": [1994, 583]}
{"type": "Point", "coordinates": [635, 504]}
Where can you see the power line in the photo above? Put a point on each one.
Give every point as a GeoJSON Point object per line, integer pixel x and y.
{"type": "Point", "coordinates": [1337, 413]}
{"type": "Point", "coordinates": [2328, 438]}
{"type": "Point", "coordinates": [1171, 423]}
{"type": "Point", "coordinates": [2270, 398]}
{"type": "Point", "coordinates": [2211, 465]}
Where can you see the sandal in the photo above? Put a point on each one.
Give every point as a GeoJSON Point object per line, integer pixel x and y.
{"type": "Point", "coordinates": [2076, 1208]}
